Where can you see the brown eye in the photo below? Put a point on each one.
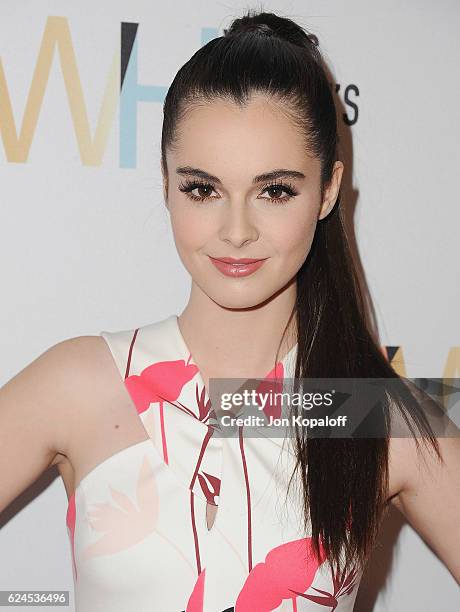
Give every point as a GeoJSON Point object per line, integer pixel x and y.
{"type": "Point", "coordinates": [203, 188]}
{"type": "Point", "coordinates": [276, 189]}
{"type": "Point", "coordinates": [279, 188]}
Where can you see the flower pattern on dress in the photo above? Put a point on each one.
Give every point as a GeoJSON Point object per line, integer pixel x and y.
{"type": "Point", "coordinates": [137, 523]}
{"type": "Point", "coordinates": [162, 381]}
{"type": "Point", "coordinates": [288, 569]}
{"type": "Point", "coordinates": [344, 583]}
{"type": "Point", "coordinates": [125, 522]}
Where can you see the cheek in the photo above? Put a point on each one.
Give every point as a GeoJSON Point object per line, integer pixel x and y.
{"type": "Point", "coordinates": [294, 237]}
{"type": "Point", "coordinates": [190, 230]}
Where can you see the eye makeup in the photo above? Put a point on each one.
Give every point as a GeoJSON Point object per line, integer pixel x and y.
{"type": "Point", "coordinates": [189, 185]}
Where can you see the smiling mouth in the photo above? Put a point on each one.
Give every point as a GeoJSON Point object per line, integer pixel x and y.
{"type": "Point", "coordinates": [242, 260]}
{"type": "Point", "coordinates": [236, 267]}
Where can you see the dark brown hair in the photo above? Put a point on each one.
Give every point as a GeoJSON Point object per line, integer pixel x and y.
{"type": "Point", "coordinates": [344, 481]}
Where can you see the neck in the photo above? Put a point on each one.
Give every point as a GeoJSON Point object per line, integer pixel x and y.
{"type": "Point", "coordinates": [239, 341]}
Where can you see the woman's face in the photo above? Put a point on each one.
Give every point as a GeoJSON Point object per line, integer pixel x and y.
{"type": "Point", "coordinates": [221, 207]}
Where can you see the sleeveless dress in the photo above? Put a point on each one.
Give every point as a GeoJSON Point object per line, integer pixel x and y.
{"type": "Point", "coordinates": [137, 521]}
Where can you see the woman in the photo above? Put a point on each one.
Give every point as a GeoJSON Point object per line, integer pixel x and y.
{"type": "Point", "coordinates": [164, 514]}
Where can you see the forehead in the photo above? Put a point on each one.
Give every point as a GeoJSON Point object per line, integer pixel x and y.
{"type": "Point", "coordinates": [231, 140]}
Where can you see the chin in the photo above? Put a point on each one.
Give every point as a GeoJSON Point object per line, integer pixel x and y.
{"type": "Point", "coordinates": [239, 296]}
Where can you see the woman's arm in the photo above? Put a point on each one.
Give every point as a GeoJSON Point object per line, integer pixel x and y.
{"type": "Point", "coordinates": [429, 497]}
{"type": "Point", "coordinates": [35, 410]}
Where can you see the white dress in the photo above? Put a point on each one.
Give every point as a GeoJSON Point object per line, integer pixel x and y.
{"type": "Point", "coordinates": [137, 521]}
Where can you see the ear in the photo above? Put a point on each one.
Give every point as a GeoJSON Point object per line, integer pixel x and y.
{"type": "Point", "coordinates": [332, 191]}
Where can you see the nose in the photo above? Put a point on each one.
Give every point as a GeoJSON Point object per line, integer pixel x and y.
{"type": "Point", "coordinates": [237, 226]}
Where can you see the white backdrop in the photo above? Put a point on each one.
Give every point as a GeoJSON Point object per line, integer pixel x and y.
{"type": "Point", "coordinates": [85, 243]}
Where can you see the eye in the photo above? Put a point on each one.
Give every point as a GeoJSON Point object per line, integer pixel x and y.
{"type": "Point", "coordinates": [188, 186]}
{"type": "Point", "coordinates": [277, 187]}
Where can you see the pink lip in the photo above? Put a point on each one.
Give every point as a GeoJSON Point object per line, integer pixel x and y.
{"type": "Point", "coordinates": [236, 267]}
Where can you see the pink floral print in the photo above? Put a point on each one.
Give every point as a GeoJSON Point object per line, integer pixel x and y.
{"type": "Point", "coordinates": [137, 522]}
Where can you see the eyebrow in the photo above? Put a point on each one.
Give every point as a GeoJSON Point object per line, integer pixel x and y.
{"type": "Point", "coordinates": [266, 176]}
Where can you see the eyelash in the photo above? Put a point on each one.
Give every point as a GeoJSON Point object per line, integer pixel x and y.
{"type": "Point", "coordinates": [189, 185]}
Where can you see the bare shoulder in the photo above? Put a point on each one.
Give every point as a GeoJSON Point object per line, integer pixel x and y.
{"type": "Point", "coordinates": [413, 465]}
{"type": "Point", "coordinates": [43, 404]}
{"type": "Point", "coordinates": [84, 366]}
{"type": "Point", "coordinates": [416, 460]}
{"type": "Point", "coordinates": [426, 490]}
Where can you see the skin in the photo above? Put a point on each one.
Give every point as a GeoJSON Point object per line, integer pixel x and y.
{"type": "Point", "coordinates": [50, 411]}
{"type": "Point", "coordinates": [236, 144]}
{"type": "Point", "coordinates": [241, 219]}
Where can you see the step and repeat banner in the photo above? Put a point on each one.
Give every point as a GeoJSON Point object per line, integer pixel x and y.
{"type": "Point", "coordinates": [85, 240]}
